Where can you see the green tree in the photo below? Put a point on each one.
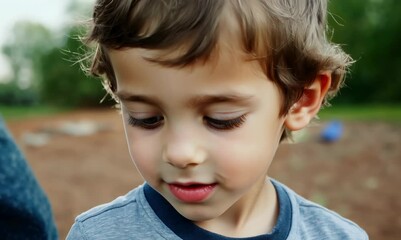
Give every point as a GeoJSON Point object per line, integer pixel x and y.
{"type": "Point", "coordinates": [11, 95]}
{"type": "Point", "coordinates": [23, 48]}
{"type": "Point", "coordinates": [63, 81]}
{"type": "Point", "coordinates": [370, 33]}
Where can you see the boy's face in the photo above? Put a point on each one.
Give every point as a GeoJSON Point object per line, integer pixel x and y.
{"type": "Point", "coordinates": [202, 136]}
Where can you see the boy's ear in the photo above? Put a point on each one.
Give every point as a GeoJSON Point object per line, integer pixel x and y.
{"type": "Point", "coordinates": [306, 108]}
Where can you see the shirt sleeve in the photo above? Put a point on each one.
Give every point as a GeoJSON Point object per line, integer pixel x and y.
{"type": "Point", "coordinates": [76, 232]}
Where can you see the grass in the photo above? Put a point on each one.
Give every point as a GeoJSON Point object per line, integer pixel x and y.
{"type": "Point", "coordinates": [19, 112]}
{"type": "Point", "coordinates": [391, 113]}
{"type": "Point", "coordinates": [339, 112]}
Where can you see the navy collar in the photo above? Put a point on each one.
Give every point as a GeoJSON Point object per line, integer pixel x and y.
{"type": "Point", "coordinates": [186, 229]}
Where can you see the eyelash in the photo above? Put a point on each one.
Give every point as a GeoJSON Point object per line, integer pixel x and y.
{"type": "Point", "coordinates": [146, 123]}
{"type": "Point", "coordinates": [225, 124]}
{"type": "Point", "coordinates": [156, 121]}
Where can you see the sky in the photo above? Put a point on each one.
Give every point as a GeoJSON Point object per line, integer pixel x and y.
{"type": "Point", "coordinates": [51, 13]}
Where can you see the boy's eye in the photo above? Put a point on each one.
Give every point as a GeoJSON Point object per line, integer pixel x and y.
{"type": "Point", "coordinates": [146, 123]}
{"type": "Point", "coordinates": [225, 124]}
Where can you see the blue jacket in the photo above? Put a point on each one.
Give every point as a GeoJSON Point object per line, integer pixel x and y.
{"type": "Point", "coordinates": [25, 211]}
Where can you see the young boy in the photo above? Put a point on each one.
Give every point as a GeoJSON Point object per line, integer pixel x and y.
{"type": "Point", "coordinates": [208, 89]}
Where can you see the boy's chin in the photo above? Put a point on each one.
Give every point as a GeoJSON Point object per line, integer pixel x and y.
{"type": "Point", "coordinates": [199, 218]}
{"type": "Point", "coordinates": [196, 212]}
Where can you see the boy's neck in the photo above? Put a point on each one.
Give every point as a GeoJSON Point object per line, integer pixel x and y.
{"type": "Point", "coordinates": [255, 215]}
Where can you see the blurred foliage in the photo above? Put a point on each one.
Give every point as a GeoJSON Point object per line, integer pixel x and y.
{"type": "Point", "coordinates": [12, 94]}
{"type": "Point", "coordinates": [370, 32]}
{"type": "Point", "coordinates": [52, 68]}
{"type": "Point", "coordinates": [24, 112]}
{"type": "Point", "coordinates": [27, 42]}
{"type": "Point", "coordinates": [63, 82]}
{"type": "Point", "coordinates": [371, 112]}
{"type": "Point", "coordinates": [45, 66]}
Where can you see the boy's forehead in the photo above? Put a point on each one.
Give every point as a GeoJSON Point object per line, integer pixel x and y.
{"type": "Point", "coordinates": [221, 61]}
{"type": "Point", "coordinates": [224, 56]}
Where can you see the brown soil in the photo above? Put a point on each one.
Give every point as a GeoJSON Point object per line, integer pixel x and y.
{"type": "Point", "coordinates": [357, 176]}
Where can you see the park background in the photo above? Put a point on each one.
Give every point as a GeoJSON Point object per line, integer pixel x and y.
{"type": "Point", "coordinates": [76, 146]}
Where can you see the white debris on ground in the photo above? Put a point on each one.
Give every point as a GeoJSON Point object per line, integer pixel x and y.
{"type": "Point", "coordinates": [36, 139]}
{"type": "Point", "coordinates": [81, 128]}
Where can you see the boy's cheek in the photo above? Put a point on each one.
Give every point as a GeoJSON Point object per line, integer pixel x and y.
{"type": "Point", "coordinates": [241, 157]}
{"type": "Point", "coordinates": [142, 153]}
{"type": "Point", "coordinates": [146, 166]}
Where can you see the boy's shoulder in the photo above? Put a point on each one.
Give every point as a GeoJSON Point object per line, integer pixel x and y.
{"type": "Point", "coordinates": [126, 217]}
{"type": "Point", "coordinates": [116, 208]}
{"type": "Point", "coordinates": [313, 221]}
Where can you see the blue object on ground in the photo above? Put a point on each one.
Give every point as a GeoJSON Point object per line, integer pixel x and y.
{"type": "Point", "coordinates": [332, 132]}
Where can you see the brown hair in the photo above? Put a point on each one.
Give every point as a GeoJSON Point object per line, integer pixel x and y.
{"type": "Point", "coordinates": [287, 37]}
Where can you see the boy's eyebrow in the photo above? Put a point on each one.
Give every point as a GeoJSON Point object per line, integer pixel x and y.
{"type": "Point", "coordinates": [195, 102]}
{"type": "Point", "coordinates": [124, 96]}
{"type": "Point", "coordinates": [204, 100]}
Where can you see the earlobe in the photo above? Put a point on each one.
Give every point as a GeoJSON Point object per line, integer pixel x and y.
{"type": "Point", "coordinates": [306, 108]}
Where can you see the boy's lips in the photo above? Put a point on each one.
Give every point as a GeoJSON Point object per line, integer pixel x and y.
{"type": "Point", "coordinates": [191, 192]}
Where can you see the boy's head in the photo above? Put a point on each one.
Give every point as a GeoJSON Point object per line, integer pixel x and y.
{"type": "Point", "coordinates": [287, 38]}
{"type": "Point", "coordinates": [206, 89]}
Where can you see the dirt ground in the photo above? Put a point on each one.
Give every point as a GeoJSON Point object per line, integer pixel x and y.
{"type": "Point", "coordinates": [357, 176]}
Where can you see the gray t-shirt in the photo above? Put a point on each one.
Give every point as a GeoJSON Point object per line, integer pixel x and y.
{"type": "Point", "coordinates": [132, 217]}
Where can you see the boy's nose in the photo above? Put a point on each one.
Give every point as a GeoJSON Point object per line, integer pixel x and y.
{"type": "Point", "coordinates": [183, 153]}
